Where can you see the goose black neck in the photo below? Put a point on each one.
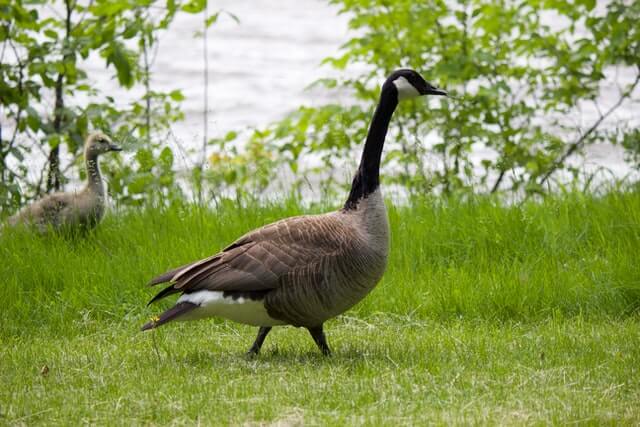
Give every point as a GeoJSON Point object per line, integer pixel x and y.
{"type": "Point", "coordinates": [367, 177]}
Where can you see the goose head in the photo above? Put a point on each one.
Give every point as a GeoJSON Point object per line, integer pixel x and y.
{"type": "Point", "coordinates": [408, 84]}
{"type": "Point", "coordinates": [98, 143]}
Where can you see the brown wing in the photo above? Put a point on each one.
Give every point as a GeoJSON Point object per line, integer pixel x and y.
{"type": "Point", "coordinates": [258, 260]}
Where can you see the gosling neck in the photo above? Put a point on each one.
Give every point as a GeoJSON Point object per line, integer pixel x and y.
{"type": "Point", "coordinates": [367, 177]}
{"type": "Point", "coordinates": [94, 178]}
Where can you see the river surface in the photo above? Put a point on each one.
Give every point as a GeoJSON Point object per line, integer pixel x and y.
{"type": "Point", "coordinates": [260, 66]}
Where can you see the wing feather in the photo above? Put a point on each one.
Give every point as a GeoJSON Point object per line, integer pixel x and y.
{"type": "Point", "coordinates": [263, 259]}
{"type": "Point", "coordinates": [166, 277]}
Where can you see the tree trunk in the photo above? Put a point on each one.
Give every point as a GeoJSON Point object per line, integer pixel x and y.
{"type": "Point", "coordinates": [54, 176]}
{"type": "Point", "coordinates": [54, 181]}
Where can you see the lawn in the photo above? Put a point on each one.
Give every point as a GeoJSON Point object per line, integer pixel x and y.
{"type": "Point", "coordinates": [488, 313]}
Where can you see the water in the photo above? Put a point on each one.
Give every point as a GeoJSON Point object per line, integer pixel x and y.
{"type": "Point", "coordinates": [259, 67]}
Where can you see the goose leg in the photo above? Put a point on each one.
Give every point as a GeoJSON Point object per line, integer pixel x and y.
{"type": "Point", "coordinates": [318, 336]}
{"type": "Point", "coordinates": [257, 344]}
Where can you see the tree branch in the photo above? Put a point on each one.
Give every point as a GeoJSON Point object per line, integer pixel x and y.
{"type": "Point", "coordinates": [581, 140]}
{"type": "Point", "coordinates": [496, 185]}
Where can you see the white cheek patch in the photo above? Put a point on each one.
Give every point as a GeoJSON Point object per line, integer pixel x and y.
{"type": "Point", "coordinates": [405, 89]}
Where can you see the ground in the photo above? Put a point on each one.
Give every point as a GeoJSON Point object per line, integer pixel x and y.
{"type": "Point", "coordinates": [488, 313]}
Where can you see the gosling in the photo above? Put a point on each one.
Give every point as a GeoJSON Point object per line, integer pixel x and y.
{"type": "Point", "coordinates": [81, 211]}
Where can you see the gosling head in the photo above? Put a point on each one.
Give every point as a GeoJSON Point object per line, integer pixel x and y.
{"type": "Point", "coordinates": [409, 84]}
{"type": "Point", "coordinates": [98, 143]}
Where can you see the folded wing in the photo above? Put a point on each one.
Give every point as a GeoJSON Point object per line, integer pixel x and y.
{"type": "Point", "coordinates": [258, 260]}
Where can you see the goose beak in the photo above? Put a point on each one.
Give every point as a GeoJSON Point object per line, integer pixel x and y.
{"type": "Point", "coordinates": [114, 147]}
{"type": "Point", "coordinates": [435, 91]}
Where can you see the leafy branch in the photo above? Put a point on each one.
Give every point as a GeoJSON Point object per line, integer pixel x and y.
{"type": "Point", "coordinates": [579, 143]}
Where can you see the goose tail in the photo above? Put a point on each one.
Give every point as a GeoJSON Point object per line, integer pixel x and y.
{"type": "Point", "coordinates": [166, 277]}
{"type": "Point", "coordinates": [174, 312]}
{"type": "Point", "coordinates": [163, 293]}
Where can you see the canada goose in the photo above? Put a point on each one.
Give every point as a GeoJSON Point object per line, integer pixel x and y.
{"type": "Point", "coordinates": [303, 270]}
{"type": "Point", "coordinates": [78, 210]}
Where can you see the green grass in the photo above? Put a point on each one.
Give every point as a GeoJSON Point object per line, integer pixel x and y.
{"type": "Point", "coordinates": [487, 314]}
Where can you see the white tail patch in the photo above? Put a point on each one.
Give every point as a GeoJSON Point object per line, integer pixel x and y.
{"type": "Point", "coordinates": [214, 304]}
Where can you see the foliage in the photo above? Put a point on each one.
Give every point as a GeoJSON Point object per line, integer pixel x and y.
{"type": "Point", "coordinates": [232, 167]}
{"type": "Point", "coordinates": [268, 154]}
{"type": "Point", "coordinates": [519, 71]}
{"type": "Point", "coordinates": [44, 89]}
{"type": "Point", "coordinates": [631, 142]}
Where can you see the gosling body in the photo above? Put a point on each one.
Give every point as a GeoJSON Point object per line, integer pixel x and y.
{"type": "Point", "coordinates": [82, 210]}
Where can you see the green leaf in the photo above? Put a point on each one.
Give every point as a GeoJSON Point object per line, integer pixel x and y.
{"type": "Point", "coordinates": [117, 55]}
{"type": "Point", "coordinates": [140, 183]}
{"type": "Point", "coordinates": [176, 95]}
{"type": "Point", "coordinates": [17, 153]}
{"type": "Point", "coordinates": [51, 34]}
{"type": "Point", "coordinates": [212, 19]}
{"type": "Point", "coordinates": [230, 136]}
{"type": "Point", "coordinates": [166, 158]}
{"type": "Point", "coordinates": [33, 119]}
{"type": "Point", "coordinates": [194, 6]}
{"type": "Point", "coordinates": [145, 159]}
{"type": "Point", "coordinates": [53, 140]}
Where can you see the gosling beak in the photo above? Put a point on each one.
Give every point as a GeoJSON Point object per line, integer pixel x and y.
{"type": "Point", "coordinates": [114, 147]}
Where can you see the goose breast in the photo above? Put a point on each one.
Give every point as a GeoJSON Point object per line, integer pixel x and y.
{"type": "Point", "coordinates": [312, 293]}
